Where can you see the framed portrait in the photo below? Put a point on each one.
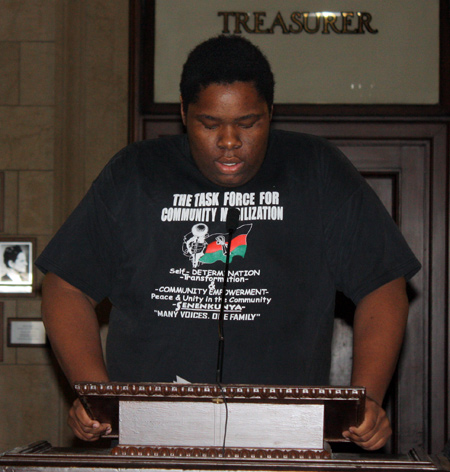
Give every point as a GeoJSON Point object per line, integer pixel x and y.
{"type": "Point", "coordinates": [16, 266]}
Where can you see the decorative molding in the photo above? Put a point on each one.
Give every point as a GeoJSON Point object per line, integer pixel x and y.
{"type": "Point", "coordinates": [343, 406]}
{"type": "Point", "coordinates": [207, 392]}
{"type": "Point", "coordinates": [41, 456]}
{"type": "Point", "coordinates": [219, 453]}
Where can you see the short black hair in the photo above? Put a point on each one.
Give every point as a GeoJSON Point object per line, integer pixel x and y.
{"type": "Point", "coordinates": [224, 60]}
{"type": "Point", "coordinates": [10, 254]}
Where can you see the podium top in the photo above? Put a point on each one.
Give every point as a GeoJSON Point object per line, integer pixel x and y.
{"type": "Point", "coordinates": [343, 406]}
{"type": "Point", "coordinates": [207, 392]}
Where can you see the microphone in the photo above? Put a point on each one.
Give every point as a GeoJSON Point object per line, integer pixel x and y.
{"type": "Point", "coordinates": [231, 224]}
{"type": "Point", "coordinates": [232, 219]}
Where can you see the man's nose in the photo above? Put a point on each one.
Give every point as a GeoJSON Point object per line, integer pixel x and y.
{"type": "Point", "coordinates": [229, 138]}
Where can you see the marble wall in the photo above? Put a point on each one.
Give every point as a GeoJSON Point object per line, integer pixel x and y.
{"type": "Point", "coordinates": [63, 113]}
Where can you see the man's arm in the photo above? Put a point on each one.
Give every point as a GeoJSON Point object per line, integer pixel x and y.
{"type": "Point", "coordinates": [72, 327]}
{"type": "Point", "coordinates": [379, 326]}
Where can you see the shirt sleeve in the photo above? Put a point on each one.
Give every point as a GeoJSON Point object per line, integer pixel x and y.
{"type": "Point", "coordinates": [365, 249]}
{"type": "Point", "coordinates": [82, 251]}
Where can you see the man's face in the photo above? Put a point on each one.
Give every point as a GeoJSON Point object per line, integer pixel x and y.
{"type": "Point", "coordinates": [228, 130]}
{"type": "Point", "coordinates": [20, 264]}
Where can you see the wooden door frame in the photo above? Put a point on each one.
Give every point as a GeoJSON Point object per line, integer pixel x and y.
{"type": "Point", "coordinates": [435, 134]}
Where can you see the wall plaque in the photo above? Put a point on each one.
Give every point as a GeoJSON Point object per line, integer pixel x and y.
{"type": "Point", "coordinates": [26, 332]}
{"type": "Point", "coordinates": [338, 52]}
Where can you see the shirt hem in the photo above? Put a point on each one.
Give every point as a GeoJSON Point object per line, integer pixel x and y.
{"type": "Point", "coordinates": [406, 270]}
{"type": "Point", "coordinates": [45, 266]}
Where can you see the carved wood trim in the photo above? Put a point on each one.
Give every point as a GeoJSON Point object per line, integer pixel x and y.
{"type": "Point", "coordinates": [207, 392]}
{"type": "Point", "coordinates": [41, 456]}
{"type": "Point", "coordinates": [218, 453]}
{"type": "Point", "coordinates": [343, 406]}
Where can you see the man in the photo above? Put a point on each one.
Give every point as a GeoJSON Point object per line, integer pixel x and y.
{"type": "Point", "coordinates": [149, 235]}
{"type": "Point", "coordinates": [16, 265]}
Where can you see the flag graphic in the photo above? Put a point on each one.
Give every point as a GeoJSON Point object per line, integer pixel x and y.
{"type": "Point", "coordinates": [216, 249]}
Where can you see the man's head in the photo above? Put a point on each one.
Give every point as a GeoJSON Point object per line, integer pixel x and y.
{"type": "Point", "coordinates": [14, 258]}
{"type": "Point", "coordinates": [226, 106]}
{"type": "Point", "coordinates": [224, 60]}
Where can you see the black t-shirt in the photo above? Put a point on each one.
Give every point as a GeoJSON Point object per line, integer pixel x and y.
{"type": "Point", "coordinates": [150, 236]}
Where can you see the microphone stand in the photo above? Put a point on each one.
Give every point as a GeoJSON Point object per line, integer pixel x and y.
{"type": "Point", "coordinates": [231, 225]}
{"type": "Point", "coordinates": [222, 314]}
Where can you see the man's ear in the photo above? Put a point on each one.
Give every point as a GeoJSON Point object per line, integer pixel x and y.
{"type": "Point", "coordinates": [183, 114]}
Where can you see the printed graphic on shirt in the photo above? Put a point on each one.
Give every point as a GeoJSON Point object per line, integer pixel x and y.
{"type": "Point", "coordinates": [195, 290]}
{"type": "Point", "coordinates": [202, 248]}
{"type": "Point", "coordinates": [205, 206]}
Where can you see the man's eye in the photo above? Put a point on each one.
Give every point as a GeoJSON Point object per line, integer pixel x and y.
{"type": "Point", "coordinates": [246, 125]}
{"type": "Point", "coordinates": [208, 126]}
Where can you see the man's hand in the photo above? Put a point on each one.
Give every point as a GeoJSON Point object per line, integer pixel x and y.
{"type": "Point", "coordinates": [378, 328]}
{"type": "Point", "coordinates": [72, 327]}
{"type": "Point", "coordinates": [84, 427]}
{"type": "Point", "coordinates": [374, 431]}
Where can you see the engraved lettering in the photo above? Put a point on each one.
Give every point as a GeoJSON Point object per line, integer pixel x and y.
{"type": "Point", "coordinates": [296, 19]}
{"type": "Point", "coordinates": [278, 21]}
{"type": "Point", "coordinates": [241, 18]}
{"type": "Point", "coordinates": [306, 22]}
{"type": "Point", "coordinates": [347, 21]}
{"type": "Point", "coordinates": [310, 22]}
{"type": "Point", "coordinates": [330, 20]}
{"type": "Point", "coordinates": [259, 22]}
{"type": "Point", "coordinates": [364, 20]}
{"type": "Point", "coordinates": [225, 14]}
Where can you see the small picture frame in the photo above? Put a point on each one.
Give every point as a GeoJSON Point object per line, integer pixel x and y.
{"type": "Point", "coordinates": [16, 266]}
{"type": "Point", "coordinates": [26, 332]}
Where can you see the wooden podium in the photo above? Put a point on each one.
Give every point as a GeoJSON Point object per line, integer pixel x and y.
{"type": "Point", "coordinates": [176, 427]}
{"type": "Point", "coordinates": [244, 422]}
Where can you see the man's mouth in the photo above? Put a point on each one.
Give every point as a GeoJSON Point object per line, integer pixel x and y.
{"type": "Point", "coordinates": [229, 167]}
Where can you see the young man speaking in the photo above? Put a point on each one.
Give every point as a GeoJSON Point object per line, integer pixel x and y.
{"type": "Point", "coordinates": [150, 236]}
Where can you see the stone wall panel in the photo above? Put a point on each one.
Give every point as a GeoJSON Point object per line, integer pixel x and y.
{"type": "Point", "coordinates": [11, 202]}
{"type": "Point", "coordinates": [26, 395]}
{"type": "Point", "coordinates": [26, 138]}
{"type": "Point", "coordinates": [37, 74]}
{"type": "Point", "coordinates": [35, 202]}
{"type": "Point", "coordinates": [9, 73]}
{"type": "Point", "coordinates": [9, 353]}
{"type": "Point", "coordinates": [27, 20]}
